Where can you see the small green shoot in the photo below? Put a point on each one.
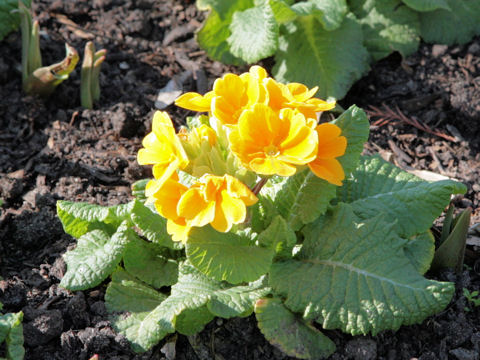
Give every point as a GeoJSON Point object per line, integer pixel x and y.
{"type": "Point", "coordinates": [36, 79]}
{"type": "Point", "coordinates": [90, 85]}
{"type": "Point", "coordinates": [451, 250]}
{"type": "Point", "coordinates": [472, 298]}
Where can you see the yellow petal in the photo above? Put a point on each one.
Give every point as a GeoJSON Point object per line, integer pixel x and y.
{"type": "Point", "coordinates": [300, 92]}
{"type": "Point", "coordinates": [272, 166]}
{"type": "Point", "coordinates": [195, 209]}
{"type": "Point", "coordinates": [149, 156]}
{"type": "Point", "coordinates": [330, 144]}
{"type": "Point", "coordinates": [167, 197]}
{"type": "Point", "coordinates": [194, 101]}
{"type": "Point", "coordinates": [258, 72]}
{"type": "Point", "coordinates": [238, 189]}
{"type": "Point", "coordinates": [321, 105]}
{"type": "Point", "coordinates": [179, 230]}
{"type": "Point", "coordinates": [234, 209]}
{"type": "Point", "coordinates": [328, 169]}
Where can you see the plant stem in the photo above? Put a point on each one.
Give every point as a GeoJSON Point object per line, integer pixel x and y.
{"type": "Point", "coordinates": [258, 186]}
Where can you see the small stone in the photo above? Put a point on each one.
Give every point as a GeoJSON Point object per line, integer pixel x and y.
{"type": "Point", "coordinates": [47, 325]}
{"type": "Point", "coordinates": [474, 49]}
{"type": "Point", "coordinates": [464, 354]}
{"type": "Point", "coordinates": [361, 349]}
{"type": "Point", "coordinates": [439, 50]}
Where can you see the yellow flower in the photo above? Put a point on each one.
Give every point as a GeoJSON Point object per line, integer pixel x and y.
{"type": "Point", "coordinates": [270, 143]}
{"type": "Point", "coordinates": [217, 200]}
{"type": "Point", "coordinates": [163, 150]}
{"type": "Point", "coordinates": [166, 198]}
{"type": "Point", "coordinates": [330, 146]}
{"type": "Point", "coordinates": [231, 95]}
{"type": "Point", "coordinates": [295, 96]}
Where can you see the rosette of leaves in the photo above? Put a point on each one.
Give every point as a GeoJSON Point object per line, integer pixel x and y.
{"type": "Point", "coordinates": [313, 256]}
{"type": "Point", "coordinates": [330, 43]}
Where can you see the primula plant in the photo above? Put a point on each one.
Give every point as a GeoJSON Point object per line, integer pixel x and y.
{"type": "Point", "coordinates": [256, 206]}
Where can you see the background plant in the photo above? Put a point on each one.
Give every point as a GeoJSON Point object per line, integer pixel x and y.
{"type": "Point", "coordinates": [11, 332]}
{"type": "Point", "coordinates": [36, 79]}
{"type": "Point", "coordinates": [330, 43]}
{"type": "Point", "coordinates": [9, 16]}
{"type": "Point", "coordinates": [90, 82]}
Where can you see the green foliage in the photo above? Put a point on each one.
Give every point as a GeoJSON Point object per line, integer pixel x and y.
{"type": "Point", "coordinates": [9, 19]}
{"type": "Point", "coordinates": [334, 59]}
{"type": "Point", "coordinates": [457, 26]}
{"type": "Point", "coordinates": [11, 332]}
{"type": "Point", "coordinates": [472, 297]}
{"type": "Point", "coordinates": [329, 43]}
{"type": "Point", "coordinates": [227, 256]}
{"type": "Point", "coordinates": [352, 274]}
{"type": "Point", "coordinates": [309, 255]}
{"type": "Point", "coordinates": [289, 332]}
{"type": "Point", "coordinates": [451, 250]}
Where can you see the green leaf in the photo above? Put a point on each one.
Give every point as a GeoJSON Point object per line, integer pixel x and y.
{"type": "Point", "coordinates": [153, 226]}
{"type": "Point", "coordinates": [329, 13]}
{"type": "Point", "coordinates": [138, 189]}
{"type": "Point", "coordinates": [146, 262]}
{"type": "Point", "coordinates": [192, 321]}
{"type": "Point", "coordinates": [11, 331]}
{"type": "Point", "coordinates": [9, 21]}
{"type": "Point", "coordinates": [79, 218]}
{"type": "Point", "coordinates": [282, 12]}
{"type": "Point", "coordinates": [452, 251]}
{"type": "Point", "coordinates": [301, 198]}
{"type": "Point", "coordinates": [227, 256]}
{"type": "Point", "coordinates": [254, 34]}
{"type": "Point", "coordinates": [451, 27]}
{"type": "Point", "coordinates": [427, 5]}
{"type": "Point", "coordinates": [215, 31]}
{"type": "Point", "coordinates": [378, 187]}
{"type": "Point", "coordinates": [279, 237]}
{"type": "Point", "coordinates": [388, 26]}
{"type": "Point", "coordinates": [290, 333]}
{"type": "Point", "coordinates": [353, 275]}
{"type": "Point", "coordinates": [331, 60]}
{"type": "Point", "coordinates": [146, 329]}
{"type": "Point", "coordinates": [192, 292]}
{"type": "Point", "coordinates": [95, 257]}
{"type": "Point", "coordinates": [420, 249]}
{"type": "Point", "coordinates": [355, 127]}
{"type": "Point", "coordinates": [233, 301]}
{"type": "Point", "coordinates": [126, 293]}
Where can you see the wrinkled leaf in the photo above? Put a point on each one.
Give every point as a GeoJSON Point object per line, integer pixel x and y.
{"type": "Point", "coordinates": [331, 60]}
{"type": "Point", "coordinates": [227, 256]}
{"type": "Point", "coordinates": [353, 275]}
{"type": "Point", "coordinates": [287, 331]}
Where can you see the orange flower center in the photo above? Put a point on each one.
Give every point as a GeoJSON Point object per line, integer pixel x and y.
{"type": "Point", "coordinates": [271, 150]}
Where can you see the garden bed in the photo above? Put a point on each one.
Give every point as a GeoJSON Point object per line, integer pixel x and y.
{"type": "Point", "coordinates": [54, 149]}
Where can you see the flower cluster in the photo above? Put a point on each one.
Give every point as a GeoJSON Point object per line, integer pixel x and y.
{"type": "Point", "coordinates": [257, 127]}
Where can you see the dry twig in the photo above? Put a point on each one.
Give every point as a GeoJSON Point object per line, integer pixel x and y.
{"type": "Point", "coordinates": [387, 115]}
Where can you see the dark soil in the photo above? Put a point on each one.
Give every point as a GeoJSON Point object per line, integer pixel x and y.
{"type": "Point", "coordinates": [54, 149]}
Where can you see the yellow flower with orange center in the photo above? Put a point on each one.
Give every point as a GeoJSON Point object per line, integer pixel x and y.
{"type": "Point", "coordinates": [330, 146]}
{"type": "Point", "coordinates": [295, 96]}
{"type": "Point", "coordinates": [231, 95]}
{"type": "Point", "coordinates": [163, 150]}
{"type": "Point", "coordinates": [217, 200]}
{"type": "Point", "coordinates": [274, 144]}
